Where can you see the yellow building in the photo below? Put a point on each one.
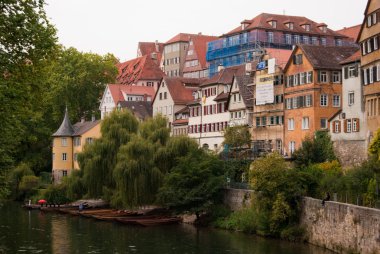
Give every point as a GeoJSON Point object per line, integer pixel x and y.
{"type": "Point", "coordinates": [68, 142]}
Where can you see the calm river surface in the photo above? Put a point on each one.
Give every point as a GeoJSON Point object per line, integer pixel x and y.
{"type": "Point", "coordinates": [23, 231]}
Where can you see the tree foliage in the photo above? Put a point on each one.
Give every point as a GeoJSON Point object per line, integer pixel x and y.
{"type": "Point", "coordinates": [315, 149]}
{"type": "Point", "coordinates": [194, 184]}
{"type": "Point", "coordinates": [237, 137]}
{"type": "Point", "coordinates": [374, 147]}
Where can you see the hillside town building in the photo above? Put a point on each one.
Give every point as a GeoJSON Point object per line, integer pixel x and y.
{"type": "Point", "coordinates": [246, 42]}
{"type": "Point", "coordinates": [68, 142]}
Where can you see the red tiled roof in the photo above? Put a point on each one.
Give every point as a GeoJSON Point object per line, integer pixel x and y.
{"type": "Point", "coordinates": [181, 37]}
{"type": "Point", "coordinates": [281, 55]}
{"type": "Point", "coordinates": [225, 76]}
{"type": "Point", "coordinates": [260, 21]}
{"type": "Point", "coordinates": [353, 58]}
{"type": "Point", "coordinates": [351, 32]}
{"type": "Point", "coordinates": [118, 90]}
{"type": "Point", "coordinates": [147, 48]}
{"type": "Point", "coordinates": [178, 91]}
{"type": "Point", "coordinates": [137, 69]}
{"type": "Point", "coordinates": [221, 97]}
{"type": "Point", "coordinates": [323, 57]}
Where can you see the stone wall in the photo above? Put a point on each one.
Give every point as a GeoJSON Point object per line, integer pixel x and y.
{"type": "Point", "coordinates": [341, 227]}
{"type": "Point", "coordinates": [237, 199]}
{"type": "Point", "coordinates": [350, 152]}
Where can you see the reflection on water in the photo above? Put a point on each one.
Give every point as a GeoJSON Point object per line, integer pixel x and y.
{"type": "Point", "coordinates": [24, 231]}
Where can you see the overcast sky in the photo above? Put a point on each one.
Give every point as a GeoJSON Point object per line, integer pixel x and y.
{"type": "Point", "coordinates": [116, 26]}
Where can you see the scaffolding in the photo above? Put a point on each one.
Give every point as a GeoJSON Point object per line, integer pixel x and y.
{"type": "Point", "coordinates": [246, 47]}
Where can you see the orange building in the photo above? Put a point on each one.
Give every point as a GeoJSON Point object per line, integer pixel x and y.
{"type": "Point", "coordinates": [68, 142]}
{"type": "Point", "coordinates": [370, 64]}
{"type": "Point", "coordinates": [313, 91]}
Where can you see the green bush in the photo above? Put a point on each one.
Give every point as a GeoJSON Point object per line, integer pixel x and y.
{"type": "Point", "coordinates": [243, 220]}
{"type": "Point", "coordinates": [56, 194]}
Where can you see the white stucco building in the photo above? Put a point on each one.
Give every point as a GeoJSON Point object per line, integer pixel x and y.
{"type": "Point", "coordinates": [208, 114]}
{"type": "Point", "coordinates": [347, 127]}
{"type": "Point", "coordinates": [115, 93]}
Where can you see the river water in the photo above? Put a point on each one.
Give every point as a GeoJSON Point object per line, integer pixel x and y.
{"type": "Point", "coordinates": [23, 231]}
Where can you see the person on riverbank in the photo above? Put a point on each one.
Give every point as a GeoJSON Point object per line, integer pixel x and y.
{"type": "Point", "coordinates": [327, 198]}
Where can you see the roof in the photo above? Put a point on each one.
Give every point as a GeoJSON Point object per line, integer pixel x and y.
{"type": "Point", "coordinates": [82, 127]}
{"type": "Point", "coordinates": [147, 48]}
{"type": "Point", "coordinates": [225, 76]}
{"type": "Point", "coordinates": [334, 115]}
{"type": "Point", "coordinates": [245, 90]}
{"type": "Point", "coordinates": [178, 90]}
{"type": "Point", "coordinates": [325, 57]}
{"type": "Point", "coordinates": [261, 21]}
{"type": "Point", "coordinates": [181, 37]}
{"type": "Point", "coordinates": [221, 97]}
{"type": "Point", "coordinates": [351, 32]}
{"type": "Point", "coordinates": [353, 58]}
{"type": "Point", "coordinates": [141, 109]}
{"type": "Point", "coordinates": [200, 48]}
{"type": "Point", "coordinates": [141, 68]}
{"type": "Point", "coordinates": [66, 129]}
{"type": "Point", "coordinates": [281, 55]}
{"type": "Point", "coordinates": [183, 110]}
{"type": "Point", "coordinates": [118, 90]}
{"type": "Point", "coordinates": [181, 122]}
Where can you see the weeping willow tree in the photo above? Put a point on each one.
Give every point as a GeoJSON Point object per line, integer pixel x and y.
{"type": "Point", "coordinates": [136, 173]}
{"type": "Point", "coordinates": [99, 159]}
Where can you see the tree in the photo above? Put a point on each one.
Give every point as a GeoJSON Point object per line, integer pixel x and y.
{"type": "Point", "coordinates": [98, 159]}
{"type": "Point", "coordinates": [27, 42]}
{"type": "Point", "coordinates": [374, 147]}
{"type": "Point", "coordinates": [194, 184]}
{"type": "Point", "coordinates": [237, 137]}
{"type": "Point", "coordinates": [315, 149]}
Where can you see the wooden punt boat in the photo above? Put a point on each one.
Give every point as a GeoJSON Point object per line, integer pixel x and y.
{"type": "Point", "coordinates": [149, 220]}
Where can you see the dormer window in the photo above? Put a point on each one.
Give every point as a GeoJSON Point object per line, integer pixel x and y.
{"type": "Point", "coordinates": [323, 27]}
{"type": "Point", "coordinates": [289, 25]}
{"type": "Point", "coordinates": [307, 27]}
{"type": "Point", "coordinates": [245, 24]}
{"type": "Point", "coordinates": [274, 24]}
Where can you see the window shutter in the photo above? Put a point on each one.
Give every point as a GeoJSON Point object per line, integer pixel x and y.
{"type": "Point", "coordinates": [372, 42]}
{"type": "Point", "coordinates": [319, 76]}
{"type": "Point", "coordinates": [375, 73]}
{"type": "Point", "coordinates": [345, 72]}
{"type": "Point", "coordinates": [339, 126]}
{"type": "Point", "coordinates": [282, 79]}
{"type": "Point", "coordinates": [311, 76]}
{"type": "Point", "coordinates": [356, 70]}
{"type": "Point", "coordinates": [367, 73]}
{"type": "Point", "coordinates": [357, 124]}
{"type": "Point", "coordinates": [286, 81]}
{"type": "Point", "coordinates": [294, 59]}
{"type": "Point", "coordinates": [345, 125]}
{"type": "Point", "coordinates": [362, 71]}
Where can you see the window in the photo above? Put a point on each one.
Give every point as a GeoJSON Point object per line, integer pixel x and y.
{"type": "Point", "coordinates": [314, 40]}
{"type": "Point", "coordinates": [77, 141]}
{"type": "Point", "coordinates": [290, 124]}
{"type": "Point", "coordinates": [165, 95]}
{"type": "Point", "coordinates": [89, 140]}
{"type": "Point", "coordinates": [272, 120]}
{"type": "Point", "coordinates": [292, 146]}
{"type": "Point", "coordinates": [352, 71]}
{"type": "Point", "coordinates": [323, 123]}
{"type": "Point", "coordinates": [75, 157]}
{"type": "Point", "coordinates": [307, 27]}
{"type": "Point", "coordinates": [323, 41]}
{"type": "Point", "coordinates": [64, 172]}
{"type": "Point", "coordinates": [296, 39]}
{"type": "Point", "coordinates": [302, 78]}
{"type": "Point", "coordinates": [289, 103]}
{"type": "Point", "coordinates": [369, 20]}
{"type": "Point", "coordinates": [336, 77]}
{"type": "Point", "coordinates": [305, 39]}
{"type": "Point", "coordinates": [288, 38]}
{"type": "Point", "coordinates": [355, 125]}
{"type": "Point", "coordinates": [291, 25]}
{"type": "Point", "coordinates": [351, 98]}
{"type": "Point", "coordinates": [257, 121]}
{"type": "Point", "coordinates": [305, 123]}
{"type": "Point", "coordinates": [336, 126]}
{"type": "Point", "coordinates": [297, 59]}
{"type": "Point", "coordinates": [278, 144]}
{"type": "Point", "coordinates": [160, 96]}
{"type": "Point", "coordinates": [264, 121]}
{"type": "Point", "coordinates": [336, 100]}
{"type": "Point", "coordinates": [308, 100]}
{"type": "Point", "coordinates": [270, 37]}
{"type": "Point", "coordinates": [324, 100]}
{"type": "Point", "coordinates": [348, 125]}
{"type": "Point", "coordinates": [63, 141]}
{"type": "Point", "coordinates": [309, 77]}
{"type": "Point", "coordinates": [190, 52]}
{"type": "Point", "coordinates": [323, 77]}
{"type": "Point", "coordinates": [64, 156]}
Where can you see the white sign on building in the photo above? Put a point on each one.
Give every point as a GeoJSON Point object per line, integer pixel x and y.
{"type": "Point", "coordinates": [271, 66]}
{"type": "Point", "coordinates": [264, 93]}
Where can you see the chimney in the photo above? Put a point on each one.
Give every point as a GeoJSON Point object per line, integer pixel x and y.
{"type": "Point", "coordinates": [220, 68]}
{"type": "Point", "coordinates": [157, 46]}
{"type": "Point", "coordinates": [92, 118]}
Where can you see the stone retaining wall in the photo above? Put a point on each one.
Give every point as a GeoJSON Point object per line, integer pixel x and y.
{"type": "Point", "coordinates": [350, 152]}
{"type": "Point", "coordinates": [341, 227]}
{"type": "Point", "coordinates": [237, 199]}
